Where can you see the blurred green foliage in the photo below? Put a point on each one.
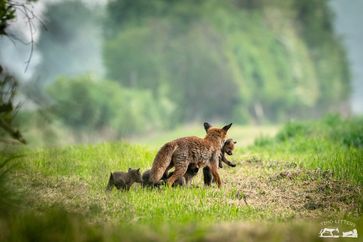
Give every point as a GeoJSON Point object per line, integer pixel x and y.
{"type": "Point", "coordinates": [8, 84]}
{"type": "Point", "coordinates": [247, 61]}
{"type": "Point", "coordinates": [241, 60]}
{"type": "Point", "coordinates": [104, 106]}
{"type": "Point", "coordinates": [7, 13]}
{"type": "Point", "coordinates": [332, 127]}
{"type": "Point", "coordinates": [8, 110]}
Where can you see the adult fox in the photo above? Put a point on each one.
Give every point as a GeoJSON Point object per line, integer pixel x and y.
{"type": "Point", "coordinates": [190, 150]}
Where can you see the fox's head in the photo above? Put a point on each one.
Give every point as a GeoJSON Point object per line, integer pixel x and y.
{"type": "Point", "coordinates": [216, 133]}
{"type": "Point", "coordinates": [135, 174]}
{"type": "Point", "coordinates": [228, 146]}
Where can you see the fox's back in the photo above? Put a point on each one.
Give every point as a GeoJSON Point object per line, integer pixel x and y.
{"type": "Point", "coordinates": [194, 149]}
{"type": "Point", "coordinates": [191, 143]}
{"type": "Point", "coordinates": [120, 176]}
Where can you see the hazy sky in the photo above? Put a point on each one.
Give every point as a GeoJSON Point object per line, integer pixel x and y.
{"type": "Point", "coordinates": [348, 22]}
{"type": "Point", "coordinates": [14, 54]}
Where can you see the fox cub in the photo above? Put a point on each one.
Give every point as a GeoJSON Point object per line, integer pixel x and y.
{"type": "Point", "coordinates": [124, 180]}
{"type": "Point", "coordinates": [184, 180]}
{"type": "Point", "coordinates": [146, 179]}
{"type": "Point", "coordinates": [228, 148]}
{"type": "Point", "coordinates": [191, 172]}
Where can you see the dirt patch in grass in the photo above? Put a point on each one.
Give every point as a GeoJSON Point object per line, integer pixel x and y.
{"type": "Point", "coordinates": [284, 188]}
{"type": "Point", "coordinates": [69, 192]}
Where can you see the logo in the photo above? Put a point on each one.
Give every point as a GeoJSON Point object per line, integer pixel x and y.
{"type": "Point", "coordinates": [331, 229]}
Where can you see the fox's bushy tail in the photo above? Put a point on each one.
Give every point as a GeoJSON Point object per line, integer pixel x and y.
{"type": "Point", "coordinates": [161, 162]}
{"type": "Point", "coordinates": [110, 183]}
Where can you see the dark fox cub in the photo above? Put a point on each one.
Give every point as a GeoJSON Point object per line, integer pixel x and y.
{"type": "Point", "coordinates": [191, 172]}
{"type": "Point", "coordinates": [184, 180]}
{"type": "Point", "coordinates": [146, 180]}
{"type": "Point", "coordinates": [228, 148]}
{"type": "Point", "coordinates": [124, 180]}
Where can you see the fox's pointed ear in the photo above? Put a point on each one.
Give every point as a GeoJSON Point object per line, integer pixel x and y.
{"type": "Point", "coordinates": [226, 128]}
{"type": "Point", "coordinates": [138, 170]}
{"type": "Point", "coordinates": [129, 169]}
{"type": "Point", "coordinates": [207, 126]}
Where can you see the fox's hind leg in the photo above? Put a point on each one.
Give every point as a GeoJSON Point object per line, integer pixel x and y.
{"type": "Point", "coordinates": [166, 174]}
{"type": "Point", "coordinates": [180, 169]}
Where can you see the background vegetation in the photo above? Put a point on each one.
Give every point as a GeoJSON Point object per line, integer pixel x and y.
{"type": "Point", "coordinates": [176, 62]}
{"type": "Point", "coordinates": [241, 60]}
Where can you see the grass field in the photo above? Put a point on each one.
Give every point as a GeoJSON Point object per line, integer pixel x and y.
{"type": "Point", "coordinates": [281, 189]}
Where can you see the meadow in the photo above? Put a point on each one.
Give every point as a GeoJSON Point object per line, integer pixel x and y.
{"type": "Point", "coordinates": [285, 183]}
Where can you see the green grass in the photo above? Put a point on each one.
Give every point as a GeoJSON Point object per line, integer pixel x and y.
{"type": "Point", "coordinates": [89, 167]}
{"type": "Point", "coordinates": [330, 144]}
{"type": "Point", "coordinates": [307, 173]}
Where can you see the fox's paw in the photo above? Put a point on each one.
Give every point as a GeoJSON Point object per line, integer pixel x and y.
{"type": "Point", "coordinates": [160, 183]}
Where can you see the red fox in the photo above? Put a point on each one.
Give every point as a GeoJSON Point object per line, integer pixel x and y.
{"type": "Point", "coordinates": [192, 171]}
{"type": "Point", "coordinates": [181, 152]}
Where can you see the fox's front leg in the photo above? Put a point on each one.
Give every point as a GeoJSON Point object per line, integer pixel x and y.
{"type": "Point", "coordinates": [220, 162]}
{"type": "Point", "coordinates": [224, 159]}
{"type": "Point", "coordinates": [214, 170]}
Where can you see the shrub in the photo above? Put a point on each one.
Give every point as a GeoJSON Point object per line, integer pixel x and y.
{"type": "Point", "coordinates": [292, 130]}
{"type": "Point", "coordinates": [87, 105]}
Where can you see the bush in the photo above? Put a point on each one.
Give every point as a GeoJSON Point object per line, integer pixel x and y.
{"type": "Point", "coordinates": [349, 134]}
{"type": "Point", "coordinates": [87, 105]}
{"type": "Point", "coordinates": [292, 130]}
{"type": "Point", "coordinates": [263, 141]}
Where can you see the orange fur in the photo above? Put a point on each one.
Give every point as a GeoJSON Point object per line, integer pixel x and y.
{"type": "Point", "coordinates": [181, 152]}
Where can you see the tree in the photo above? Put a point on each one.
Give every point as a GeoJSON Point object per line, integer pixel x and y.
{"type": "Point", "coordinates": [102, 107]}
{"type": "Point", "coordinates": [8, 84]}
{"type": "Point", "coordinates": [257, 60]}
